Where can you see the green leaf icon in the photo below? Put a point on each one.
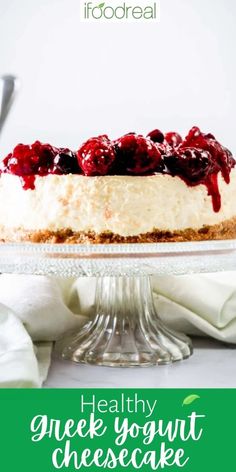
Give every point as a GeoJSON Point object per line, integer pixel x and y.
{"type": "Point", "coordinates": [190, 399]}
{"type": "Point", "coordinates": [101, 5]}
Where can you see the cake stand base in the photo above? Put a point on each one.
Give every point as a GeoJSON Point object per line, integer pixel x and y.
{"type": "Point", "coordinates": [125, 330]}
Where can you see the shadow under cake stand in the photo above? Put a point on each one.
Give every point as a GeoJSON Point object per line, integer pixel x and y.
{"type": "Point", "coordinates": [125, 329]}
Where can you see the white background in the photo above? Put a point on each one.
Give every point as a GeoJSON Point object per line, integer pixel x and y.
{"type": "Point", "coordinates": [82, 79]}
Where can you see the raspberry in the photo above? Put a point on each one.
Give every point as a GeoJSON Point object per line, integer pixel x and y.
{"type": "Point", "coordinates": [173, 139]}
{"type": "Point", "coordinates": [136, 155]}
{"type": "Point", "coordinates": [96, 156]}
{"type": "Point", "coordinates": [156, 136]}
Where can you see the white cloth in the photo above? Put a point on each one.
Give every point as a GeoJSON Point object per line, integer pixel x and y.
{"type": "Point", "coordinates": [36, 310]}
{"type": "Point", "coordinates": [198, 304]}
{"type": "Point", "coordinates": [32, 309]}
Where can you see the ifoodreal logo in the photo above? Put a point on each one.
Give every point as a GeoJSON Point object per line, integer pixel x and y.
{"type": "Point", "coordinates": [118, 11]}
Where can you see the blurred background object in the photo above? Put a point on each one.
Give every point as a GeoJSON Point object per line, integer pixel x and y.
{"type": "Point", "coordinates": [8, 88]}
{"type": "Point", "coordinates": [83, 79]}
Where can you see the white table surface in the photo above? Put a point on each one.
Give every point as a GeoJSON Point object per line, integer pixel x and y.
{"type": "Point", "coordinates": [212, 365]}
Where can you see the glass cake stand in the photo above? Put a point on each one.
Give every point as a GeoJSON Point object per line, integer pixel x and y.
{"type": "Point", "coordinates": [125, 329]}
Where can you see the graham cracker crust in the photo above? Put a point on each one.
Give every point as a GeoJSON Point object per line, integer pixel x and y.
{"type": "Point", "coordinates": [224, 230]}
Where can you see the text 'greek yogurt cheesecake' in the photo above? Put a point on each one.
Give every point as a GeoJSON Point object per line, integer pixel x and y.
{"type": "Point", "coordinates": [157, 188]}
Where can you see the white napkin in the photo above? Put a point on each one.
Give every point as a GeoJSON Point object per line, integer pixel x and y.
{"type": "Point", "coordinates": [36, 310]}
{"type": "Point", "coordinates": [32, 309]}
{"type": "Point", "coordinates": [198, 304]}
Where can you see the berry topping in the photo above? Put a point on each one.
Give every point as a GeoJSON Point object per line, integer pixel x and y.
{"type": "Point", "coordinates": [221, 156]}
{"type": "Point", "coordinates": [29, 160]}
{"type": "Point", "coordinates": [40, 159]}
{"type": "Point", "coordinates": [26, 161]}
{"type": "Point", "coordinates": [136, 155]}
{"type": "Point", "coordinates": [173, 139]}
{"type": "Point", "coordinates": [156, 136]}
{"type": "Point", "coordinates": [197, 159]}
{"type": "Point", "coordinates": [193, 165]}
{"type": "Point", "coordinates": [65, 162]}
{"type": "Point", "coordinates": [96, 156]}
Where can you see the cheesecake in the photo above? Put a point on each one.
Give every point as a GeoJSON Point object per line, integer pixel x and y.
{"type": "Point", "coordinates": [135, 189]}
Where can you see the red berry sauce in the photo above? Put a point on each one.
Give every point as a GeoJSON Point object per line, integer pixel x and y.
{"type": "Point", "coordinates": [197, 159]}
{"type": "Point", "coordinates": [27, 161]}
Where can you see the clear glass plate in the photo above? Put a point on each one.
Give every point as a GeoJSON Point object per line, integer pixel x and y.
{"type": "Point", "coordinates": [117, 259]}
{"type": "Point", "coordinates": [125, 329]}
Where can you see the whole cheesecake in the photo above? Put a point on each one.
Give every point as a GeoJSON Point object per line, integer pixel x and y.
{"type": "Point", "coordinates": [157, 188]}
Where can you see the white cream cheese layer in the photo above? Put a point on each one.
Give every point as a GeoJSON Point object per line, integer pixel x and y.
{"type": "Point", "coordinates": [125, 205]}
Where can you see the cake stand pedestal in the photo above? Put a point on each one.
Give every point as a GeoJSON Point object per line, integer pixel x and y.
{"type": "Point", "coordinates": [125, 329]}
